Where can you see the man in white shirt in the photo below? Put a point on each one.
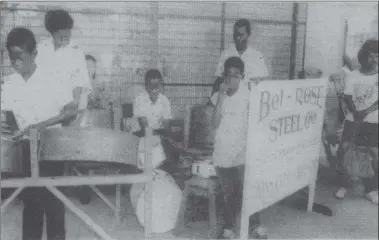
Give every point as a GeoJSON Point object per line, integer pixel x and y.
{"type": "Point", "coordinates": [255, 68]}
{"type": "Point", "coordinates": [230, 118]}
{"type": "Point", "coordinates": [361, 126]}
{"type": "Point", "coordinates": [34, 96]}
{"type": "Point", "coordinates": [64, 57]}
{"type": "Point", "coordinates": [153, 110]}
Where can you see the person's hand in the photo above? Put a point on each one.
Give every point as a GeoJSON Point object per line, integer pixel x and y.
{"type": "Point", "coordinates": [359, 115]}
{"type": "Point", "coordinates": [164, 123]}
{"type": "Point", "coordinates": [223, 89]}
{"type": "Point", "coordinates": [255, 81]}
{"type": "Point", "coordinates": [18, 135]}
{"type": "Point", "coordinates": [144, 121]}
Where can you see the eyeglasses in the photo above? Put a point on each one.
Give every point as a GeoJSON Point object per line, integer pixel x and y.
{"type": "Point", "coordinates": [233, 77]}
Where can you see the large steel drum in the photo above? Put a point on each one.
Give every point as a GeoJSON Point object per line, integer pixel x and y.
{"type": "Point", "coordinates": [95, 118]}
{"type": "Point", "coordinates": [88, 145]}
{"type": "Point", "coordinates": [11, 163]}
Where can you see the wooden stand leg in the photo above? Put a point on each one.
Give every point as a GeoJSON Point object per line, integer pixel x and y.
{"type": "Point", "coordinates": [311, 196]}
{"type": "Point", "coordinates": [79, 213]}
{"type": "Point", "coordinates": [98, 193]}
{"type": "Point", "coordinates": [118, 203]}
{"type": "Point", "coordinates": [10, 199]}
{"type": "Point", "coordinates": [180, 223]}
{"type": "Point", "coordinates": [244, 227]}
{"type": "Point", "coordinates": [212, 213]}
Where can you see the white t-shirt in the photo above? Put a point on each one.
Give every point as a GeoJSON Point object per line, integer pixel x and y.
{"type": "Point", "coordinates": [143, 107]}
{"type": "Point", "coordinates": [254, 62]}
{"type": "Point", "coordinates": [231, 135]}
{"type": "Point", "coordinates": [364, 91]}
{"type": "Point", "coordinates": [68, 64]}
{"type": "Point", "coordinates": [35, 100]}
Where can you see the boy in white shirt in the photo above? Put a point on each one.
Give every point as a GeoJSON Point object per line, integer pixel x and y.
{"type": "Point", "coordinates": [230, 118]}
{"type": "Point", "coordinates": [33, 94]}
{"type": "Point", "coordinates": [152, 109]}
{"type": "Point", "coordinates": [63, 57]}
{"type": "Point", "coordinates": [255, 67]}
{"type": "Point", "coordinates": [361, 125]}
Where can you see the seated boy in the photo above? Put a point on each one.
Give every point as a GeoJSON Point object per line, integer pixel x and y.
{"type": "Point", "coordinates": [230, 118]}
{"type": "Point", "coordinates": [152, 109]}
{"type": "Point", "coordinates": [34, 96]}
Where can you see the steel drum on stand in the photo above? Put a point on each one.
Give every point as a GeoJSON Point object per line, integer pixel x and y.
{"type": "Point", "coordinates": [11, 157]}
{"type": "Point", "coordinates": [88, 145]}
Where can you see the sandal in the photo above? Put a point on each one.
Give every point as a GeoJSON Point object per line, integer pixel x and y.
{"type": "Point", "coordinates": [372, 196]}
{"type": "Point", "coordinates": [340, 194]}
{"type": "Point", "coordinates": [259, 233]}
{"type": "Point", "coordinates": [227, 234]}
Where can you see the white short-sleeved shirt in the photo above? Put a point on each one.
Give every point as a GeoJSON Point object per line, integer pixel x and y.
{"type": "Point", "coordinates": [143, 107]}
{"type": "Point", "coordinates": [68, 64]}
{"type": "Point", "coordinates": [231, 135]}
{"type": "Point", "coordinates": [254, 62]}
{"type": "Point", "coordinates": [35, 100]}
{"type": "Point", "coordinates": [364, 91]}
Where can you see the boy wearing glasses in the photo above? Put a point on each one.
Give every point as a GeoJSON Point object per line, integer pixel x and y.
{"type": "Point", "coordinates": [230, 118]}
{"type": "Point", "coordinates": [152, 109]}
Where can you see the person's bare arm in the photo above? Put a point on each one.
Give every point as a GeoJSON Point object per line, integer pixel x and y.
{"type": "Point", "coordinates": [216, 85]}
{"type": "Point", "coordinates": [360, 115]}
{"type": "Point", "coordinates": [69, 111]}
{"type": "Point", "coordinates": [216, 116]}
{"type": "Point", "coordinates": [350, 103]}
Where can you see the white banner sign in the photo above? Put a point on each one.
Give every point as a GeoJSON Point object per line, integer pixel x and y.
{"type": "Point", "coordinates": [284, 136]}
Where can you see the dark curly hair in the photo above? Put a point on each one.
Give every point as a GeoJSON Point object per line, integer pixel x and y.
{"type": "Point", "coordinates": [152, 74]}
{"type": "Point", "coordinates": [243, 23]}
{"type": "Point", "coordinates": [21, 37]}
{"type": "Point", "coordinates": [235, 62]}
{"type": "Point", "coordinates": [56, 20]}
{"type": "Point", "coordinates": [370, 46]}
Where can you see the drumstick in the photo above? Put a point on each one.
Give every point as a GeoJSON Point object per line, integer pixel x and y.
{"type": "Point", "coordinates": [52, 121]}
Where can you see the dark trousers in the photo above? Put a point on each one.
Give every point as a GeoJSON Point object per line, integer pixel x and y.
{"type": "Point", "coordinates": [232, 180]}
{"type": "Point", "coordinates": [39, 202]}
{"type": "Point", "coordinates": [365, 135]}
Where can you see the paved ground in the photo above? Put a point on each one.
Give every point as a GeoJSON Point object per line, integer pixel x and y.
{"type": "Point", "coordinates": [354, 218]}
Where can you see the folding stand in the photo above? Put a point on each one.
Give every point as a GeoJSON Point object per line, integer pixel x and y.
{"type": "Point", "coordinates": [51, 183]}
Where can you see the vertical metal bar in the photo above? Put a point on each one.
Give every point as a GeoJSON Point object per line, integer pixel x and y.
{"type": "Point", "coordinates": [34, 153]}
{"type": "Point", "coordinates": [305, 36]}
{"type": "Point", "coordinates": [223, 12]}
{"type": "Point", "coordinates": [346, 31]}
{"type": "Point", "coordinates": [154, 30]}
{"type": "Point", "coordinates": [148, 212]}
{"type": "Point", "coordinates": [293, 41]}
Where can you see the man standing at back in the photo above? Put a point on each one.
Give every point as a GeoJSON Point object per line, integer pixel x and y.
{"type": "Point", "coordinates": [255, 68]}
{"type": "Point", "coordinates": [63, 57]}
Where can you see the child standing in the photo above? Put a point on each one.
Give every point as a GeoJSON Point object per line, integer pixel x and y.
{"type": "Point", "coordinates": [230, 118]}
{"type": "Point", "coordinates": [361, 125]}
{"type": "Point", "coordinates": [33, 94]}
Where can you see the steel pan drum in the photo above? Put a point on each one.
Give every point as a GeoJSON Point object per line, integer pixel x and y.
{"type": "Point", "coordinates": [88, 145]}
{"type": "Point", "coordinates": [96, 119]}
{"type": "Point", "coordinates": [10, 156]}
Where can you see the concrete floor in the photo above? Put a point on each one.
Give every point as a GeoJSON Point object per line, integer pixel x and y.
{"type": "Point", "coordinates": [353, 218]}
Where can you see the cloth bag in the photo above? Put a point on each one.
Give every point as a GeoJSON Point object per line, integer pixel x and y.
{"type": "Point", "coordinates": [167, 198]}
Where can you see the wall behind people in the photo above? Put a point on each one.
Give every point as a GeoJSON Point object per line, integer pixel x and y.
{"type": "Point", "coordinates": [183, 39]}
